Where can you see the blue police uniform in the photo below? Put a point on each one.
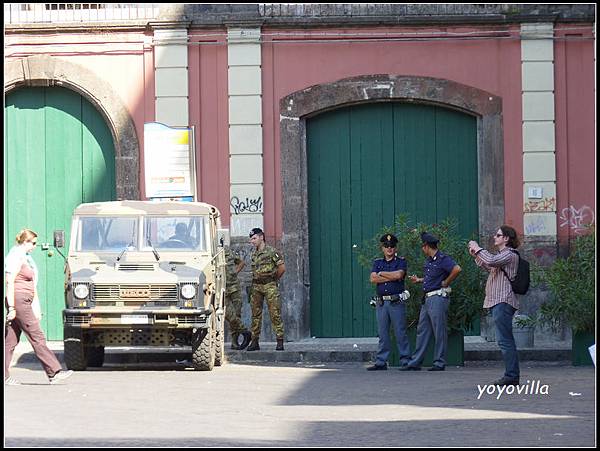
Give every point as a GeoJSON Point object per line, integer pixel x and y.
{"type": "Point", "coordinates": [433, 318]}
{"type": "Point", "coordinates": [391, 312]}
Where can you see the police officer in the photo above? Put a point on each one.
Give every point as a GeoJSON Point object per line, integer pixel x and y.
{"type": "Point", "coordinates": [388, 273]}
{"type": "Point", "coordinates": [267, 269]}
{"type": "Point", "coordinates": [233, 300]}
{"type": "Point", "coordinates": [439, 271]}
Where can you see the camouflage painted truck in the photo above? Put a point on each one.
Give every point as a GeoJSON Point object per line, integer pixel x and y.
{"type": "Point", "coordinates": [142, 273]}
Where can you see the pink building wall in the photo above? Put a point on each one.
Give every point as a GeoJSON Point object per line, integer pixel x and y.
{"type": "Point", "coordinates": [575, 132]}
{"type": "Point", "coordinates": [126, 62]}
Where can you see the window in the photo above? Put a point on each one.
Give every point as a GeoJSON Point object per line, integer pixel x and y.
{"type": "Point", "coordinates": [184, 233]}
{"type": "Point", "coordinates": [107, 234]}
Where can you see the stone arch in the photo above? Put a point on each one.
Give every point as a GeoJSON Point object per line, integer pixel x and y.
{"type": "Point", "coordinates": [43, 70]}
{"type": "Point", "coordinates": [298, 106]}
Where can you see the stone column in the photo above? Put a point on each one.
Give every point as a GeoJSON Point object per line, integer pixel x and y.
{"type": "Point", "coordinates": [245, 130]}
{"type": "Point", "coordinates": [539, 161]}
{"type": "Point", "coordinates": [171, 76]}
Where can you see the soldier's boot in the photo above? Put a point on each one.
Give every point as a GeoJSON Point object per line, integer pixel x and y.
{"type": "Point", "coordinates": [279, 344]}
{"type": "Point", "coordinates": [246, 340]}
{"type": "Point", "coordinates": [234, 342]}
{"type": "Point", "coordinates": [253, 345]}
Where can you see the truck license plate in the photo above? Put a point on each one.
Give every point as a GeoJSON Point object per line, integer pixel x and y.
{"type": "Point", "coordinates": [134, 319]}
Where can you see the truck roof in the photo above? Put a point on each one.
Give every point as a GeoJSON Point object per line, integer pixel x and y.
{"type": "Point", "coordinates": [145, 207]}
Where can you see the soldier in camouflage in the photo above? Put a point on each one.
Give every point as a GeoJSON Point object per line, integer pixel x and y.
{"type": "Point", "coordinates": [233, 300]}
{"type": "Point", "coordinates": [267, 269]}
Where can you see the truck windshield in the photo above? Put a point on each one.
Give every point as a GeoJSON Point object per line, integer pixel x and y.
{"type": "Point", "coordinates": [107, 234]}
{"type": "Point", "coordinates": [173, 233]}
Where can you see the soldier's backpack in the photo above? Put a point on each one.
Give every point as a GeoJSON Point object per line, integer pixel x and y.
{"type": "Point", "coordinates": [520, 284]}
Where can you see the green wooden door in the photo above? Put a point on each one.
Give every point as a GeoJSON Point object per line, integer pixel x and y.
{"type": "Point", "coordinates": [58, 153]}
{"type": "Point", "coordinates": [366, 165]}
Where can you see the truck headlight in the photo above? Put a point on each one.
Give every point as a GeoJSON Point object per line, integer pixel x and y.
{"type": "Point", "coordinates": [81, 291]}
{"type": "Point", "coordinates": [188, 291]}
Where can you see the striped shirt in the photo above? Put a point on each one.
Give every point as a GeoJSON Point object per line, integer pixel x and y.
{"type": "Point", "coordinates": [497, 288]}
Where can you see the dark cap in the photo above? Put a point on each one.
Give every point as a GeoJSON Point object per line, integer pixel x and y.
{"type": "Point", "coordinates": [429, 238]}
{"type": "Point", "coordinates": [256, 231]}
{"type": "Point", "coordinates": [388, 238]}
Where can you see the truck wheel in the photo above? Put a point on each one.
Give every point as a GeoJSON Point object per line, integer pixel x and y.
{"type": "Point", "coordinates": [95, 356]}
{"type": "Point", "coordinates": [75, 351]}
{"type": "Point", "coordinates": [203, 346]}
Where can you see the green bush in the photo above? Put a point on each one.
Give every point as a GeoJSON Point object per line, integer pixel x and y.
{"type": "Point", "coordinates": [571, 281]}
{"type": "Point", "coordinates": [468, 289]}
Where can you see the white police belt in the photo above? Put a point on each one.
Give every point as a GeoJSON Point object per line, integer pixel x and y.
{"type": "Point", "coordinates": [444, 292]}
{"type": "Point", "coordinates": [396, 297]}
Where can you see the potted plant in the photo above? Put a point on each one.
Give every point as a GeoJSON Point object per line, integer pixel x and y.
{"type": "Point", "coordinates": [571, 282]}
{"type": "Point", "coordinates": [468, 290]}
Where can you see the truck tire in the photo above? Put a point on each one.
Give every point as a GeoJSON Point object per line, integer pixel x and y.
{"type": "Point", "coordinates": [75, 351]}
{"type": "Point", "coordinates": [95, 356]}
{"type": "Point", "coordinates": [203, 346]}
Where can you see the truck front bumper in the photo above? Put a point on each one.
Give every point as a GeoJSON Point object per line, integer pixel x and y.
{"type": "Point", "coordinates": [127, 318]}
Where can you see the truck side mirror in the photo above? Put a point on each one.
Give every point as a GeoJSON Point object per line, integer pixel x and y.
{"type": "Point", "coordinates": [59, 238]}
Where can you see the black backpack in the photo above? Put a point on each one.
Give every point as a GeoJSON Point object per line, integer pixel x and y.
{"type": "Point", "coordinates": [520, 285]}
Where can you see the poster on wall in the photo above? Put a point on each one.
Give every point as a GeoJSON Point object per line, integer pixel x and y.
{"type": "Point", "coordinates": [169, 162]}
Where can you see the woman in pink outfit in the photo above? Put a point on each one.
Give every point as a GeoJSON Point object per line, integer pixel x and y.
{"type": "Point", "coordinates": [24, 312]}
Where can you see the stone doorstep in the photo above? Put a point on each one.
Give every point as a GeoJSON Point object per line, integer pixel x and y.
{"type": "Point", "coordinates": [309, 350]}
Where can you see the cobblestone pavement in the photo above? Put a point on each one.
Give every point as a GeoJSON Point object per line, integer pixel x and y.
{"type": "Point", "coordinates": [281, 405]}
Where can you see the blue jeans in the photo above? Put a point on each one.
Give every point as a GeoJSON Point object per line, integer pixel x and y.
{"type": "Point", "coordinates": [503, 315]}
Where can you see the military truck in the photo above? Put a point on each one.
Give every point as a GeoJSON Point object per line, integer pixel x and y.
{"type": "Point", "coordinates": [144, 273]}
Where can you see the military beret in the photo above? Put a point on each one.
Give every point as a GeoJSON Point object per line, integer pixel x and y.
{"type": "Point", "coordinates": [429, 238]}
{"type": "Point", "coordinates": [388, 238]}
{"type": "Point", "coordinates": [256, 231]}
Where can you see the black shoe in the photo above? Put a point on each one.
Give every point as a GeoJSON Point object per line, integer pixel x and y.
{"type": "Point", "coordinates": [377, 367]}
{"type": "Point", "coordinates": [409, 368]}
{"type": "Point", "coordinates": [234, 342]}
{"type": "Point", "coordinates": [246, 340]}
{"type": "Point", "coordinates": [254, 345]}
{"type": "Point", "coordinates": [279, 344]}
{"type": "Point", "coordinates": [506, 381]}
{"type": "Point", "coordinates": [436, 368]}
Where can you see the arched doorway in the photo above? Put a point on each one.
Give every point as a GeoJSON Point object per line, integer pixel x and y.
{"type": "Point", "coordinates": [299, 107]}
{"type": "Point", "coordinates": [367, 164]}
{"type": "Point", "coordinates": [58, 153]}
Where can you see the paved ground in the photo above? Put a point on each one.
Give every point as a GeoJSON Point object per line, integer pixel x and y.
{"type": "Point", "coordinates": [300, 404]}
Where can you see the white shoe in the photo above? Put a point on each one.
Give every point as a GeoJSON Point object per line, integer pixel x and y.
{"type": "Point", "coordinates": [10, 381]}
{"type": "Point", "coordinates": [60, 376]}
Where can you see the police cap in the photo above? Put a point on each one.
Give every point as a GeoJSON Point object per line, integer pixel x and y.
{"type": "Point", "coordinates": [429, 238]}
{"type": "Point", "coordinates": [389, 239]}
{"type": "Point", "coordinates": [256, 231]}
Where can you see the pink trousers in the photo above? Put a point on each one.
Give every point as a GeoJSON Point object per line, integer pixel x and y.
{"type": "Point", "coordinates": [26, 322]}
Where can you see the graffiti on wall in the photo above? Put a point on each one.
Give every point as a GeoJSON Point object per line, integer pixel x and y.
{"type": "Point", "coordinates": [254, 205]}
{"type": "Point", "coordinates": [535, 226]}
{"type": "Point", "coordinates": [535, 206]}
{"type": "Point", "coordinates": [577, 219]}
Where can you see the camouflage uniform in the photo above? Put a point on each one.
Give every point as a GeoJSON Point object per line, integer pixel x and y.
{"type": "Point", "coordinates": [233, 294]}
{"type": "Point", "coordinates": [264, 285]}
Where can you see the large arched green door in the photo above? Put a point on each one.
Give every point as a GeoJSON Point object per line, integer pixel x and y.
{"type": "Point", "coordinates": [366, 165]}
{"type": "Point", "coordinates": [58, 153]}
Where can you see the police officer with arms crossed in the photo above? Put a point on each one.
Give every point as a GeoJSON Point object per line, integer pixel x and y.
{"type": "Point", "coordinates": [438, 272]}
{"type": "Point", "coordinates": [388, 273]}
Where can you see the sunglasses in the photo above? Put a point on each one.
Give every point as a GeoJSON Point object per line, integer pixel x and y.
{"type": "Point", "coordinates": [389, 245]}
{"type": "Point", "coordinates": [498, 235]}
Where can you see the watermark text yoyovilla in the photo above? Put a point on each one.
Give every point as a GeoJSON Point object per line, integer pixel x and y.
{"type": "Point", "coordinates": [530, 388]}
